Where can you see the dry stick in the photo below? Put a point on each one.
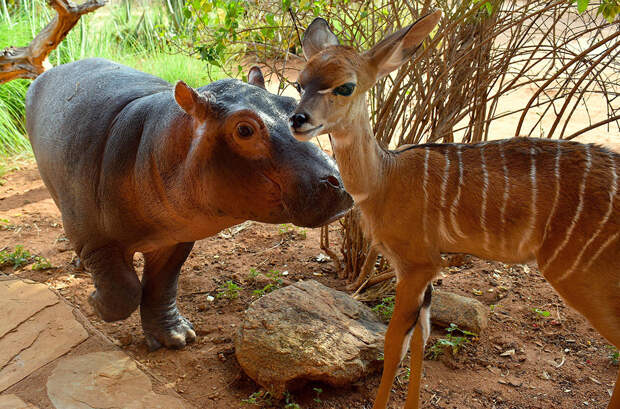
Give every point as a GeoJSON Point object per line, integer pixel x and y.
{"type": "Point", "coordinates": [574, 90]}
{"type": "Point", "coordinates": [600, 123]}
{"type": "Point", "coordinates": [531, 58]}
{"type": "Point", "coordinates": [551, 100]}
{"type": "Point", "coordinates": [290, 11]}
{"type": "Point", "coordinates": [557, 74]}
{"type": "Point", "coordinates": [367, 268]}
{"type": "Point", "coordinates": [459, 60]}
{"type": "Point", "coordinates": [513, 83]}
{"type": "Point", "coordinates": [380, 278]}
{"type": "Point", "coordinates": [604, 91]}
{"type": "Point", "coordinates": [326, 249]}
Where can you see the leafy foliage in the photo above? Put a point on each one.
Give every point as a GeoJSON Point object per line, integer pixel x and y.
{"type": "Point", "coordinates": [229, 290]}
{"type": "Point", "coordinates": [613, 355]}
{"type": "Point", "coordinates": [276, 282]}
{"type": "Point", "coordinates": [607, 8]}
{"type": "Point", "coordinates": [261, 397]}
{"type": "Point", "coordinates": [452, 341]}
{"type": "Point", "coordinates": [41, 263]}
{"type": "Point", "coordinates": [541, 313]}
{"type": "Point", "coordinates": [18, 257]}
{"type": "Point", "coordinates": [385, 308]}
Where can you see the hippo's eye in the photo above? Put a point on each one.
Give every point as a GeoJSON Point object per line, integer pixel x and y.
{"type": "Point", "coordinates": [245, 131]}
{"type": "Point", "coordinates": [345, 89]}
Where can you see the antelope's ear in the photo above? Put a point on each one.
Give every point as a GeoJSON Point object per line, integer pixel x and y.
{"type": "Point", "coordinates": [198, 105]}
{"type": "Point", "coordinates": [397, 48]}
{"type": "Point", "coordinates": [317, 37]}
{"type": "Point", "coordinates": [255, 77]}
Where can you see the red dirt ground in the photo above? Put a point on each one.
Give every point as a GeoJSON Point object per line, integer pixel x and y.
{"type": "Point", "coordinates": [559, 361]}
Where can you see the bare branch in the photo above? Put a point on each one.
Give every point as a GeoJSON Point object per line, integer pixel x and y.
{"type": "Point", "coordinates": [29, 62]}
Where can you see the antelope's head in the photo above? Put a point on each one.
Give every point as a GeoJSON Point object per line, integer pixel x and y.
{"type": "Point", "coordinates": [334, 82]}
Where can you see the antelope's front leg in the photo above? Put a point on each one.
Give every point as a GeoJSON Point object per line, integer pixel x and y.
{"type": "Point", "coordinates": [410, 297]}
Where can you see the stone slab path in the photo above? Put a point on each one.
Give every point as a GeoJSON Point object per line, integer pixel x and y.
{"type": "Point", "coordinates": [50, 357]}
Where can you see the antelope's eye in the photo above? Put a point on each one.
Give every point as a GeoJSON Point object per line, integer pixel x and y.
{"type": "Point", "coordinates": [245, 131]}
{"type": "Point", "coordinates": [345, 89]}
{"type": "Point", "coordinates": [298, 87]}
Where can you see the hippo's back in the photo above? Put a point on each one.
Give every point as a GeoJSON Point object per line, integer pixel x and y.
{"type": "Point", "coordinates": [83, 115]}
{"type": "Point", "coordinates": [72, 105]}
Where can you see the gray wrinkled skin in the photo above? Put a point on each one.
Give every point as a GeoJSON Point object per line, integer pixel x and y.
{"type": "Point", "coordinates": [129, 174]}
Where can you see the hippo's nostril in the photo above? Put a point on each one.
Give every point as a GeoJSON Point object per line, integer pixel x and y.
{"type": "Point", "coordinates": [297, 120]}
{"type": "Point", "coordinates": [333, 181]}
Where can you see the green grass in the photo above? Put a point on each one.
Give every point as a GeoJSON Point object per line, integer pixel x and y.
{"type": "Point", "coordinates": [132, 36]}
{"type": "Point", "coordinates": [12, 119]}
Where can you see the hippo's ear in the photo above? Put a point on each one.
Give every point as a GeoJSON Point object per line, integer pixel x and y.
{"type": "Point", "coordinates": [255, 77]}
{"type": "Point", "coordinates": [192, 102]}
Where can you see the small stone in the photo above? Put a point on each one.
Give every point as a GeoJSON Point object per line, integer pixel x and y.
{"type": "Point", "coordinates": [511, 381]}
{"type": "Point", "coordinates": [509, 352]}
{"type": "Point", "coordinates": [596, 381]}
{"type": "Point", "coordinates": [210, 298]}
{"type": "Point", "coordinates": [465, 312]}
{"type": "Point", "coordinates": [322, 258]}
{"type": "Point", "coordinates": [125, 340]}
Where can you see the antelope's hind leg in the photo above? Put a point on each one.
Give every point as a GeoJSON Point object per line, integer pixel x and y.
{"type": "Point", "coordinates": [418, 341]}
{"type": "Point", "coordinates": [592, 287]}
{"type": "Point", "coordinates": [410, 293]}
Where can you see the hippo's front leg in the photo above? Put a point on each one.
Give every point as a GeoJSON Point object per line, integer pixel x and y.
{"type": "Point", "coordinates": [117, 288]}
{"type": "Point", "coordinates": [161, 322]}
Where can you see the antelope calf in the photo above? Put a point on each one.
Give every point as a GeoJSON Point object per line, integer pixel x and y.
{"type": "Point", "coordinates": [511, 200]}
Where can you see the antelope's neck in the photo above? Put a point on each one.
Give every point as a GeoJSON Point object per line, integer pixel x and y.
{"type": "Point", "coordinates": [360, 159]}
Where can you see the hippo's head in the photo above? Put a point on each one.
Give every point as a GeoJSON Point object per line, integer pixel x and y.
{"type": "Point", "coordinates": [251, 164]}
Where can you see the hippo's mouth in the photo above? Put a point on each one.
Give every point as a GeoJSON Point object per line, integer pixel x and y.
{"type": "Point", "coordinates": [278, 188]}
{"type": "Point", "coordinates": [334, 218]}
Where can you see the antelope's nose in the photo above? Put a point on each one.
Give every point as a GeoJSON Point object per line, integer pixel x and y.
{"type": "Point", "coordinates": [297, 120]}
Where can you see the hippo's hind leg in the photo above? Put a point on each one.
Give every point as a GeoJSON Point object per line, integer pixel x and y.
{"type": "Point", "coordinates": [161, 321]}
{"type": "Point", "coordinates": [118, 291]}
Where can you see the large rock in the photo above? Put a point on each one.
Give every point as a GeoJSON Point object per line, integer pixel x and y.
{"type": "Point", "coordinates": [307, 331]}
{"type": "Point", "coordinates": [467, 313]}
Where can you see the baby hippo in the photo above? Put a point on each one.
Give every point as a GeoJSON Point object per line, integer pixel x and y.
{"type": "Point", "coordinates": [137, 165]}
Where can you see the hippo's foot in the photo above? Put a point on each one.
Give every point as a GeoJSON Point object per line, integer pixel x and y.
{"type": "Point", "coordinates": [114, 307]}
{"type": "Point", "coordinates": [169, 329]}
